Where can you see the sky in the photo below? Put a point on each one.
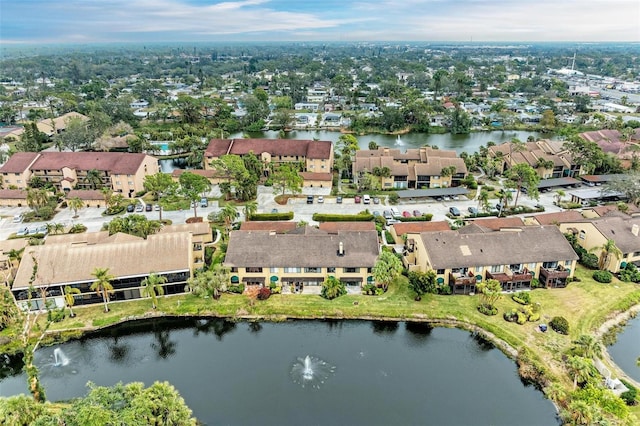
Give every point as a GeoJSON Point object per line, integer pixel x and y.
{"type": "Point", "coordinates": [144, 21]}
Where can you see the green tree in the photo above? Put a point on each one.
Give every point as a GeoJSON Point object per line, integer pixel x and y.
{"type": "Point", "coordinates": [521, 176]}
{"type": "Point", "coordinates": [228, 214]}
{"type": "Point", "coordinates": [193, 187]}
{"type": "Point", "coordinates": [159, 184]}
{"type": "Point", "coordinates": [134, 224]}
{"type": "Point", "coordinates": [346, 147]}
{"type": "Point", "coordinates": [628, 184]}
{"type": "Point", "coordinates": [70, 299]}
{"type": "Point", "coordinates": [102, 285]}
{"type": "Point", "coordinates": [32, 139]}
{"type": "Point", "coordinates": [588, 346]}
{"type": "Point", "coordinates": [75, 204]}
{"type": "Point", "coordinates": [232, 168]}
{"type": "Point", "coordinates": [37, 198]}
{"type": "Point", "coordinates": [76, 136]}
{"type": "Point", "coordinates": [548, 120]}
{"type": "Point", "coordinates": [250, 208]}
{"type": "Point", "coordinates": [460, 121]}
{"type": "Point", "coordinates": [490, 292]}
{"type": "Point", "coordinates": [608, 252]}
{"type": "Point", "coordinates": [94, 179]}
{"type": "Point", "coordinates": [286, 178]}
{"type": "Point", "coordinates": [386, 269]}
{"type": "Point", "coordinates": [332, 288]}
{"type": "Point", "coordinates": [438, 81]}
{"type": "Point", "coordinates": [210, 283]}
{"type": "Point", "coordinates": [152, 287]}
{"type": "Point", "coordinates": [483, 200]}
{"type": "Point", "coordinates": [580, 369]}
{"type": "Point", "coordinates": [422, 282]}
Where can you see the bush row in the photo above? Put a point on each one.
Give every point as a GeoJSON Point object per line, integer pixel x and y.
{"type": "Point", "coordinates": [331, 217]}
{"type": "Point", "coordinates": [272, 216]}
{"type": "Point", "coordinates": [424, 218]}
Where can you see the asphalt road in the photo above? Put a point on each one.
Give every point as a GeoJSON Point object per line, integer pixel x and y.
{"type": "Point", "coordinates": [94, 220]}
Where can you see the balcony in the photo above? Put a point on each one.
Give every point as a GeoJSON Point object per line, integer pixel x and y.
{"type": "Point", "coordinates": [554, 277]}
{"type": "Point", "coordinates": [512, 280]}
{"type": "Point", "coordinates": [459, 279]}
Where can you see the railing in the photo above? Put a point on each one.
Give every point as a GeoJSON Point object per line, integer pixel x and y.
{"type": "Point", "coordinates": [456, 279]}
{"type": "Point", "coordinates": [546, 274]}
{"type": "Point", "coordinates": [510, 276]}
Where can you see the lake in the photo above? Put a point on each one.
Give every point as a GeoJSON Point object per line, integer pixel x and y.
{"type": "Point", "coordinates": [303, 372]}
{"type": "Point", "coordinates": [627, 348]}
{"type": "Point", "coordinates": [470, 142]}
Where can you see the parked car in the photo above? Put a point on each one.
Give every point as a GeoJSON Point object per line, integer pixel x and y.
{"type": "Point", "coordinates": [18, 218]}
{"type": "Point", "coordinates": [454, 211]}
{"type": "Point", "coordinates": [455, 197]}
{"type": "Point", "coordinates": [139, 208]}
{"type": "Point", "coordinates": [376, 213]}
{"type": "Point", "coordinates": [320, 199]}
{"type": "Point", "coordinates": [274, 210]}
{"type": "Point", "coordinates": [473, 210]}
{"type": "Point", "coordinates": [357, 199]}
{"type": "Point", "coordinates": [387, 214]}
{"type": "Point", "coordinates": [366, 199]}
{"type": "Point", "coordinates": [376, 200]}
{"type": "Point", "coordinates": [406, 214]}
{"type": "Point", "coordinates": [204, 202]}
{"type": "Point", "coordinates": [417, 213]}
{"type": "Point", "coordinates": [131, 208]}
{"type": "Point", "coordinates": [22, 232]}
{"type": "Point", "coordinates": [148, 207]}
{"type": "Point", "coordinates": [339, 199]}
{"type": "Point", "coordinates": [156, 207]}
{"type": "Point", "coordinates": [439, 199]}
{"type": "Point", "coordinates": [499, 207]}
{"type": "Point", "coordinates": [447, 198]}
{"type": "Point", "coordinates": [309, 199]}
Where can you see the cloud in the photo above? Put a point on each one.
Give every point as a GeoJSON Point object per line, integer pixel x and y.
{"type": "Point", "coordinates": [211, 20]}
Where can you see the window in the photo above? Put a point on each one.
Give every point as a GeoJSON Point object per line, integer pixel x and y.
{"type": "Point", "coordinates": [550, 265]}
{"type": "Point", "coordinates": [636, 253]}
{"type": "Point", "coordinates": [496, 268]}
{"type": "Point", "coordinates": [273, 270]}
{"type": "Point", "coordinates": [312, 270]}
{"type": "Point", "coordinates": [351, 270]}
{"type": "Point", "coordinates": [440, 272]}
{"type": "Point", "coordinates": [369, 270]}
{"type": "Point", "coordinates": [291, 270]}
{"type": "Point", "coordinates": [582, 235]}
{"type": "Point", "coordinates": [567, 263]}
{"type": "Point", "coordinates": [130, 182]}
{"type": "Point", "coordinates": [234, 269]}
{"type": "Point", "coordinates": [515, 267]}
{"type": "Point", "coordinates": [253, 270]}
{"type": "Point", "coordinates": [331, 270]}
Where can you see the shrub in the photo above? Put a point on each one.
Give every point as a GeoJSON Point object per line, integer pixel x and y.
{"type": "Point", "coordinates": [264, 293]}
{"type": "Point", "coordinates": [272, 216]}
{"type": "Point", "coordinates": [489, 188]}
{"type": "Point", "coordinates": [389, 237]}
{"type": "Point", "coordinates": [487, 310]}
{"type": "Point", "coordinates": [56, 315]}
{"type": "Point", "coordinates": [559, 325]}
{"type": "Point", "coordinates": [522, 297]}
{"type": "Point", "coordinates": [369, 289]}
{"type": "Point", "coordinates": [589, 260]}
{"type": "Point", "coordinates": [629, 397]}
{"type": "Point", "coordinates": [535, 283]}
{"type": "Point", "coordinates": [602, 276]}
{"type": "Point", "coordinates": [237, 288]}
{"type": "Point", "coordinates": [630, 273]}
{"type": "Point", "coordinates": [393, 198]}
{"type": "Point", "coordinates": [331, 217]}
{"type": "Point", "coordinates": [78, 228]}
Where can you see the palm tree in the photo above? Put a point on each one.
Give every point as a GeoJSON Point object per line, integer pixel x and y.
{"type": "Point", "coordinates": [93, 179]}
{"type": "Point", "coordinates": [37, 198]}
{"type": "Point", "coordinates": [608, 251]}
{"type": "Point", "coordinates": [250, 208]}
{"type": "Point", "coordinates": [75, 204]}
{"type": "Point", "coordinates": [152, 287]}
{"type": "Point", "coordinates": [228, 215]}
{"type": "Point", "coordinates": [69, 298]}
{"type": "Point", "coordinates": [589, 346]}
{"type": "Point", "coordinates": [14, 255]}
{"type": "Point", "coordinates": [558, 196]}
{"type": "Point", "coordinates": [579, 369]}
{"type": "Point", "coordinates": [483, 199]}
{"type": "Point", "coordinates": [102, 286]}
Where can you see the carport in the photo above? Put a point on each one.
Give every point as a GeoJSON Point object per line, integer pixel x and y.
{"type": "Point", "coordinates": [412, 194]}
{"type": "Point", "coordinates": [564, 182]}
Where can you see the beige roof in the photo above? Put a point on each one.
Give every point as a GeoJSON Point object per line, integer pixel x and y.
{"type": "Point", "coordinates": [268, 225]}
{"type": "Point", "coordinates": [558, 217]}
{"type": "Point", "coordinates": [496, 223]}
{"type": "Point", "coordinates": [310, 249]}
{"type": "Point", "coordinates": [196, 228]}
{"type": "Point", "coordinates": [450, 249]}
{"type": "Point", "coordinates": [60, 264]}
{"type": "Point", "coordinates": [422, 226]}
{"type": "Point", "coordinates": [7, 245]}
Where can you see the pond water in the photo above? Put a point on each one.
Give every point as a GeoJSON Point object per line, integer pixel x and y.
{"type": "Point", "coordinates": [303, 372]}
{"type": "Point", "coordinates": [459, 143]}
{"type": "Point", "coordinates": [626, 350]}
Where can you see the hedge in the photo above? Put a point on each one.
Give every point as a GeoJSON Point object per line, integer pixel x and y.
{"type": "Point", "coordinates": [272, 216]}
{"type": "Point", "coordinates": [330, 217]}
{"type": "Point", "coordinates": [602, 276]}
{"type": "Point", "coordinates": [424, 218]}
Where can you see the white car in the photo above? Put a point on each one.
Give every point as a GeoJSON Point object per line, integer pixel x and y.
{"type": "Point", "coordinates": [320, 199]}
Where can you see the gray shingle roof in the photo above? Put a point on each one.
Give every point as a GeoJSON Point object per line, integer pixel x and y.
{"type": "Point", "coordinates": [450, 249]}
{"type": "Point", "coordinates": [308, 249]}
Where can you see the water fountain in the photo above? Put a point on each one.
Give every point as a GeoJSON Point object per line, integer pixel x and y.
{"type": "Point", "coordinates": [311, 371]}
{"type": "Point", "coordinates": [59, 358]}
{"type": "Point", "coordinates": [399, 141]}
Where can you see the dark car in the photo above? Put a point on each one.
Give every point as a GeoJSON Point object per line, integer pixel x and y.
{"type": "Point", "coordinates": [376, 200]}
{"type": "Point", "coordinates": [148, 207]}
{"type": "Point", "coordinates": [357, 199]}
{"type": "Point", "coordinates": [454, 211]}
{"type": "Point", "coordinates": [131, 208]}
{"type": "Point", "coordinates": [417, 213]}
{"type": "Point", "coordinates": [309, 199]}
{"type": "Point", "coordinates": [473, 210]}
{"type": "Point", "coordinates": [339, 200]}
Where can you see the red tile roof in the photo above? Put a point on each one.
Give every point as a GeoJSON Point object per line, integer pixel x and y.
{"type": "Point", "coordinates": [279, 227]}
{"type": "Point", "coordinates": [415, 227]}
{"type": "Point", "coordinates": [559, 217]}
{"type": "Point", "coordinates": [334, 227]}
{"type": "Point", "coordinates": [121, 163]}
{"type": "Point", "coordinates": [13, 194]}
{"type": "Point", "coordinates": [19, 162]}
{"type": "Point", "coordinates": [316, 176]}
{"type": "Point", "coordinates": [87, 194]}
{"type": "Point", "coordinates": [286, 147]}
